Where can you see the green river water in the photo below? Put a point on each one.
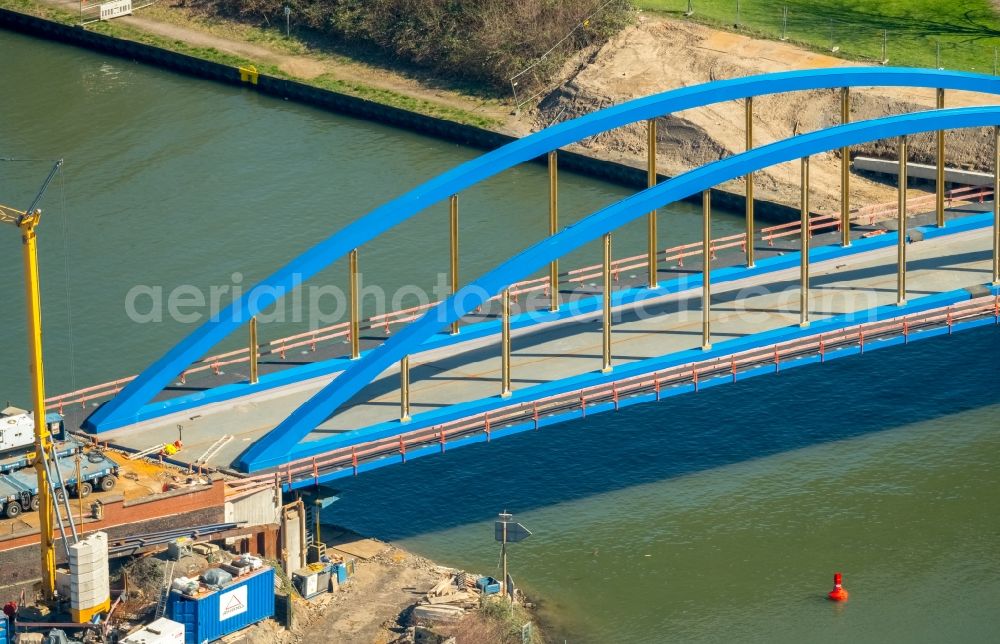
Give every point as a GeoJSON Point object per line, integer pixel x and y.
{"type": "Point", "coordinates": [715, 517]}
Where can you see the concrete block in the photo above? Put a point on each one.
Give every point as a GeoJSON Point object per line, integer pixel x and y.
{"type": "Point", "coordinates": [442, 613]}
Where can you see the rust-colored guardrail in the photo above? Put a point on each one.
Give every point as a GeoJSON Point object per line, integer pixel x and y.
{"type": "Point", "coordinates": [690, 374]}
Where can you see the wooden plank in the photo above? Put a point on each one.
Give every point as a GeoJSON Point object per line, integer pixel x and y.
{"type": "Point", "coordinates": [447, 599]}
{"type": "Point", "coordinates": [441, 586]}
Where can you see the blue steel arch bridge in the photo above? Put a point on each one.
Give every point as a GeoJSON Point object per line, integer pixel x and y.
{"type": "Point", "coordinates": [833, 287]}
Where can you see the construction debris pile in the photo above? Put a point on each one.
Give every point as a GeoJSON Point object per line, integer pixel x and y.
{"type": "Point", "coordinates": [457, 592]}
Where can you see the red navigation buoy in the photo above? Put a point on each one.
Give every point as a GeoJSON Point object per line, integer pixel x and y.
{"type": "Point", "coordinates": [838, 594]}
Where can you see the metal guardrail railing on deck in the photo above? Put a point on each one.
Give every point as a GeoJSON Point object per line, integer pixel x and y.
{"type": "Point", "coordinates": [654, 382]}
{"type": "Point", "coordinates": [385, 321]}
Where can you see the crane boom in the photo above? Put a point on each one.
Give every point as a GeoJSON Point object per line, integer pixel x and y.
{"type": "Point", "coordinates": [26, 221]}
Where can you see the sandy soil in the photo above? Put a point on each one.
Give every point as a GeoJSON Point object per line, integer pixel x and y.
{"type": "Point", "coordinates": [367, 609]}
{"type": "Point", "coordinates": [658, 54]}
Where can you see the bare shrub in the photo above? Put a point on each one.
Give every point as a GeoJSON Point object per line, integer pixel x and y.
{"type": "Point", "coordinates": [486, 41]}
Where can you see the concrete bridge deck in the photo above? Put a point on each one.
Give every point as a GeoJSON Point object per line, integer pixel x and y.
{"type": "Point", "coordinates": [548, 351]}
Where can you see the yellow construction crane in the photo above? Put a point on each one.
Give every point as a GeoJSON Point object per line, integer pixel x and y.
{"type": "Point", "coordinates": [27, 221]}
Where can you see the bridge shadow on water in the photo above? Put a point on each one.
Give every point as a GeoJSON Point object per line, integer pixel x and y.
{"type": "Point", "coordinates": [653, 442]}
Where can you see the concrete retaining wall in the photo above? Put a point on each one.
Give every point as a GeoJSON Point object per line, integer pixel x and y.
{"type": "Point", "coordinates": [260, 508]}
{"type": "Point", "coordinates": [923, 171]}
{"type": "Point", "coordinates": [620, 173]}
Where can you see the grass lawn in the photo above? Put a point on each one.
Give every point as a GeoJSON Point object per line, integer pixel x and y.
{"type": "Point", "coordinates": [968, 31]}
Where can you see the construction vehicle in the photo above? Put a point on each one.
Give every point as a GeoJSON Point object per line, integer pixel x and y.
{"type": "Point", "coordinates": [17, 437]}
{"type": "Point", "coordinates": [19, 491]}
{"type": "Point", "coordinates": [23, 459]}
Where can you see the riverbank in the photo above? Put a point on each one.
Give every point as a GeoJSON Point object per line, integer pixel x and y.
{"type": "Point", "coordinates": [182, 30]}
{"type": "Point", "coordinates": [292, 68]}
{"type": "Point", "coordinates": [180, 56]}
{"type": "Point", "coordinates": [380, 603]}
{"type": "Point", "coordinates": [654, 55]}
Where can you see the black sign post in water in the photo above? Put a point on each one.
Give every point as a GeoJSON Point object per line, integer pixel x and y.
{"type": "Point", "coordinates": [506, 530]}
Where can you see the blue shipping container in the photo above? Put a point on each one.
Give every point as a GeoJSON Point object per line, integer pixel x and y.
{"type": "Point", "coordinates": [210, 617]}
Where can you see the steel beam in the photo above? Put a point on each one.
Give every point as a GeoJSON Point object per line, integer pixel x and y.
{"type": "Point", "coordinates": [651, 181]}
{"type": "Point", "coordinates": [901, 226]}
{"type": "Point", "coordinates": [706, 270]}
{"type": "Point", "coordinates": [553, 228]}
{"type": "Point", "coordinates": [404, 389]}
{"type": "Point", "coordinates": [453, 219]}
{"type": "Point", "coordinates": [606, 320]}
{"type": "Point", "coordinates": [939, 206]}
{"type": "Point", "coordinates": [996, 206]}
{"type": "Point", "coordinates": [352, 270]}
{"type": "Point", "coordinates": [804, 244]}
{"type": "Point", "coordinates": [505, 344]}
{"type": "Point", "coordinates": [845, 172]}
{"type": "Point", "coordinates": [749, 182]}
{"type": "Point", "coordinates": [254, 352]}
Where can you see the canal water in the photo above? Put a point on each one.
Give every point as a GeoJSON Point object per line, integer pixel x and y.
{"type": "Point", "coordinates": [705, 518]}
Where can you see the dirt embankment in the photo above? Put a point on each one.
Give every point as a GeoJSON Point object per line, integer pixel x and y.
{"type": "Point", "coordinates": [658, 54]}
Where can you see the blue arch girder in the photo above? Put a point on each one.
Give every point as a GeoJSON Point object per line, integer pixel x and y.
{"type": "Point", "coordinates": [123, 409]}
{"type": "Point", "coordinates": [276, 448]}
